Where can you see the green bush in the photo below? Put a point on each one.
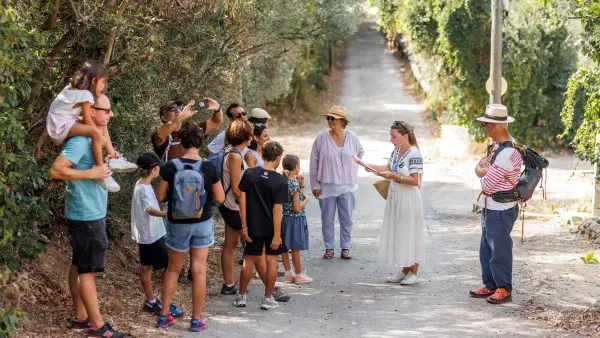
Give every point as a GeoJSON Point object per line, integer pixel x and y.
{"type": "Point", "coordinates": [22, 209]}
{"type": "Point", "coordinates": [538, 58]}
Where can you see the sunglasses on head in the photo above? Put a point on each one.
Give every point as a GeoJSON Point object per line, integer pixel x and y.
{"type": "Point", "coordinates": [330, 118]}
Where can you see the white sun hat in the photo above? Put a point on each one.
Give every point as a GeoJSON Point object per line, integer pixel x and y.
{"type": "Point", "coordinates": [496, 113]}
{"type": "Point", "coordinates": [259, 113]}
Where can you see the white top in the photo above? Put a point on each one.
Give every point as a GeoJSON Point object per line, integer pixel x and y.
{"type": "Point", "coordinates": [145, 228]}
{"type": "Point", "coordinates": [64, 101]}
{"type": "Point", "coordinates": [216, 145]}
{"type": "Point", "coordinates": [257, 157]}
{"type": "Point", "coordinates": [335, 190]}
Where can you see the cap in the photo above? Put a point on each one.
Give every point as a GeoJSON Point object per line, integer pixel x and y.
{"type": "Point", "coordinates": [163, 109]}
{"type": "Point", "coordinates": [259, 113]}
{"type": "Point", "coordinates": [149, 161]}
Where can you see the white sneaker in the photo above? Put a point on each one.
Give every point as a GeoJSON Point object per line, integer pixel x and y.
{"type": "Point", "coordinates": [240, 300]}
{"type": "Point", "coordinates": [410, 279]}
{"type": "Point", "coordinates": [121, 165]}
{"type": "Point", "coordinates": [397, 278]}
{"type": "Point", "coordinates": [109, 184]}
{"type": "Point", "coordinates": [269, 303]}
{"type": "Point", "coordinates": [303, 279]}
{"type": "Point", "coordinates": [290, 277]}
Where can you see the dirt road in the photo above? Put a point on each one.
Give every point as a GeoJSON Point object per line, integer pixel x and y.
{"type": "Point", "coordinates": [352, 298]}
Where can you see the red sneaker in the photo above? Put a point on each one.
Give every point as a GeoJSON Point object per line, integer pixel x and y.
{"type": "Point", "coordinates": [499, 297]}
{"type": "Point", "coordinates": [481, 293]}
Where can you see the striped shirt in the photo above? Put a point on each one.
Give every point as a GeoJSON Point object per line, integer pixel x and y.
{"type": "Point", "coordinates": [502, 175]}
{"type": "Point", "coordinates": [330, 164]}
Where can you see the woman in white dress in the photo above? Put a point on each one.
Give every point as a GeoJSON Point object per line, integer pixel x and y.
{"type": "Point", "coordinates": [402, 235]}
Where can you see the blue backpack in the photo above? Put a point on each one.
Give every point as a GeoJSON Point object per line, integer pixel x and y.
{"type": "Point", "coordinates": [218, 159]}
{"type": "Point", "coordinates": [188, 196]}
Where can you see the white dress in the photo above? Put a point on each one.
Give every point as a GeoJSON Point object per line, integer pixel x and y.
{"type": "Point", "coordinates": [401, 243]}
{"type": "Point", "coordinates": [62, 116]}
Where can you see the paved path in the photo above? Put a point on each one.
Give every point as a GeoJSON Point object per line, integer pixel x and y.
{"type": "Point", "coordinates": [351, 298]}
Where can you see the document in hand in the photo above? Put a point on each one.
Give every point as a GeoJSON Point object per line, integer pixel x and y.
{"type": "Point", "coordinates": [360, 162]}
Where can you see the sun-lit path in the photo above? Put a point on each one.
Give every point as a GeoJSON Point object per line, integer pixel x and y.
{"type": "Point", "coordinates": [351, 298]}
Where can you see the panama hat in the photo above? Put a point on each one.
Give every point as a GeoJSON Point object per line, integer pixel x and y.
{"type": "Point", "coordinates": [338, 112]}
{"type": "Point", "coordinates": [496, 113]}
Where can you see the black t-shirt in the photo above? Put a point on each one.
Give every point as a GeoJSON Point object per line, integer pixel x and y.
{"type": "Point", "coordinates": [209, 172]}
{"type": "Point", "coordinates": [264, 188]}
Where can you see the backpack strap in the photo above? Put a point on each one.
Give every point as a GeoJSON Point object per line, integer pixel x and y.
{"type": "Point", "coordinates": [507, 144]}
{"type": "Point", "coordinates": [227, 152]}
{"type": "Point", "coordinates": [170, 143]}
{"type": "Point", "coordinates": [178, 164]}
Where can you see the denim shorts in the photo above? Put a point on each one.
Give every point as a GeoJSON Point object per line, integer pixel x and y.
{"type": "Point", "coordinates": [89, 242]}
{"type": "Point", "coordinates": [182, 237]}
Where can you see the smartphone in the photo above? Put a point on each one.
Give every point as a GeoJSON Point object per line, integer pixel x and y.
{"type": "Point", "coordinates": [201, 104]}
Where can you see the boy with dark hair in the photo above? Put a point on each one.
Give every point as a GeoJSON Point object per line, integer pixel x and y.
{"type": "Point", "coordinates": [261, 208]}
{"type": "Point", "coordinates": [148, 230]}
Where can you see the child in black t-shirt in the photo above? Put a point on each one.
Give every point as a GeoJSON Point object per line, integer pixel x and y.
{"type": "Point", "coordinates": [261, 208]}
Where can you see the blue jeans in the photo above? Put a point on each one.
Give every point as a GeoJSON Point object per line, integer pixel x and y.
{"type": "Point", "coordinates": [495, 250]}
{"type": "Point", "coordinates": [345, 207]}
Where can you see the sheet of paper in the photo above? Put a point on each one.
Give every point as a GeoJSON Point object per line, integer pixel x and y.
{"type": "Point", "coordinates": [360, 162]}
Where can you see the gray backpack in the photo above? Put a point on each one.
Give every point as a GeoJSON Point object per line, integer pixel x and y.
{"type": "Point", "coordinates": [188, 195]}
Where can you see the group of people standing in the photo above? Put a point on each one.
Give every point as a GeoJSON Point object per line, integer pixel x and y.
{"type": "Point", "coordinates": [261, 208]}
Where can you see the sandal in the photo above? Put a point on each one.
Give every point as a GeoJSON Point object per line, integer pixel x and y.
{"type": "Point", "coordinates": [346, 254]}
{"type": "Point", "coordinates": [328, 254]}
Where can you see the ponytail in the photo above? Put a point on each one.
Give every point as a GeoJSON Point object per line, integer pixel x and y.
{"type": "Point", "coordinates": [289, 163]}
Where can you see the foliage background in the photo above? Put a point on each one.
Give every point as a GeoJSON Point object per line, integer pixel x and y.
{"type": "Point", "coordinates": [538, 58]}
{"type": "Point", "coordinates": [253, 52]}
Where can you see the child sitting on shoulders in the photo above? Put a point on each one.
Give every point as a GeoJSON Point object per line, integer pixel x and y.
{"type": "Point", "coordinates": [294, 225]}
{"type": "Point", "coordinates": [148, 230]}
{"type": "Point", "coordinates": [70, 115]}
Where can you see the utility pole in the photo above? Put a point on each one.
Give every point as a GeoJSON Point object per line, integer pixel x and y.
{"type": "Point", "coordinates": [596, 196]}
{"type": "Point", "coordinates": [496, 53]}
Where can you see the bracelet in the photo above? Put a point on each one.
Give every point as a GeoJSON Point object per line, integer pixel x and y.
{"type": "Point", "coordinates": [400, 179]}
{"type": "Point", "coordinates": [301, 187]}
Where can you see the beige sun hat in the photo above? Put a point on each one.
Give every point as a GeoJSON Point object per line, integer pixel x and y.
{"type": "Point", "coordinates": [259, 113]}
{"type": "Point", "coordinates": [339, 112]}
{"type": "Point", "coordinates": [496, 113]}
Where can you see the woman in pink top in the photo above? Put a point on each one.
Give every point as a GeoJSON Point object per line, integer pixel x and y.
{"type": "Point", "coordinates": [334, 178]}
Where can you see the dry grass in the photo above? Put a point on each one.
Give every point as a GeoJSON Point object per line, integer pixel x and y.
{"type": "Point", "coordinates": [44, 291]}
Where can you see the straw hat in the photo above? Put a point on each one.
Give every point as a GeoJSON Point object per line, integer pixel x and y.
{"type": "Point", "coordinates": [338, 112]}
{"type": "Point", "coordinates": [496, 113]}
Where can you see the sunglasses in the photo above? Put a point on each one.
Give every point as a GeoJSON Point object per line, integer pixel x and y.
{"type": "Point", "coordinates": [172, 109]}
{"type": "Point", "coordinates": [103, 109]}
{"type": "Point", "coordinates": [330, 118]}
{"type": "Point", "coordinates": [239, 116]}
{"type": "Point", "coordinates": [483, 124]}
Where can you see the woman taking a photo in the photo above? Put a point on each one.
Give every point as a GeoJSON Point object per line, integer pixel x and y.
{"type": "Point", "coordinates": [183, 235]}
{"type": "Point", "coordinates": [402, 235]}
{"type": "Point", "coordinates": [254, 155]}
{"type": "Point", "coordinates": [334, 178]}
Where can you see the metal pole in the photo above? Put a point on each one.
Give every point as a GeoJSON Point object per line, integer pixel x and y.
{"type": "Point", "coordinates": [496, 53]}
{"type": "Point", "coordinates": [596, 196]}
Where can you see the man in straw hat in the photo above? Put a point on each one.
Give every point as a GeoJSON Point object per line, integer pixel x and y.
{"type": "Point", "coordinates": [498, 170]}
{"type": "Point", "coordinates": [334, 178]}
